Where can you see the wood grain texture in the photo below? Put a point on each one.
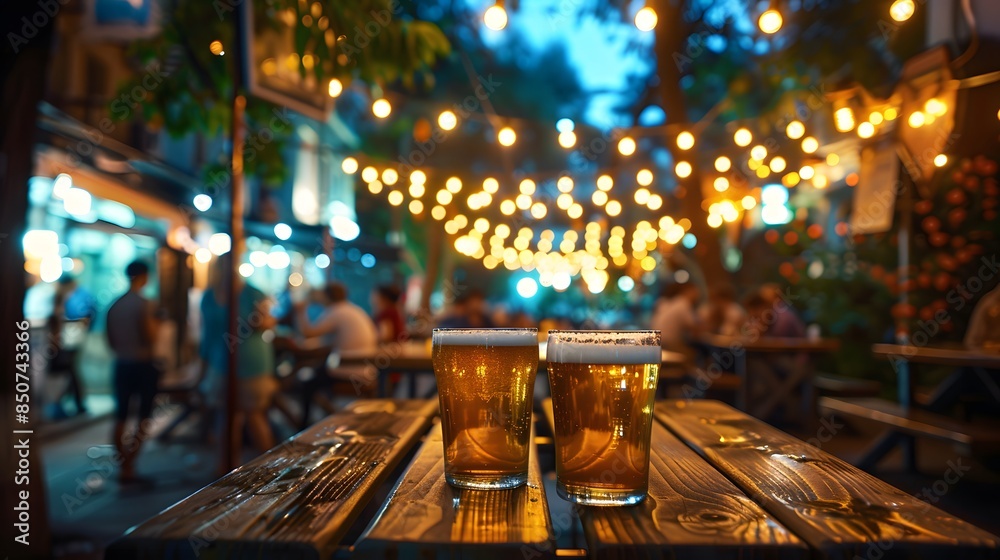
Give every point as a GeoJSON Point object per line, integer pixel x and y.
{"type": "Point", "coordinates": [692, 511]}
{"type": "Point", "coordinates": [972, 437]}
{"type": "Point", "coordinates": [296, 500]}
{"type": "Point", "coordinates": [956, 356]}
{"type": "Point", "coordinates": [841, 511]}
{"type": "Point", "coordinates": [426, 518]}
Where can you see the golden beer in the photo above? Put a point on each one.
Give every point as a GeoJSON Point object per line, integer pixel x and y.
{"type": "Point", "coordinates": [603, 385]}
{"type": "Point", "coordinates": [486, 380]}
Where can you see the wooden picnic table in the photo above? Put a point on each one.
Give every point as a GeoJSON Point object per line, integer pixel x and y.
{"type": "Point", "coordinates": [975, 371]}
{"type": "Point", "coordinates": [780, 386]}
{"type": "Point", "coordinates": [722, 485]}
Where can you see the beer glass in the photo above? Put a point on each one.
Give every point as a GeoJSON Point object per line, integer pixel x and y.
{"type": "Point", "coordinates": [603, 384]}
{"type": "Point", "coordinates": [486, 380]}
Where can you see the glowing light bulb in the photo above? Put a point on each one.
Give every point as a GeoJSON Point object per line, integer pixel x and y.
{"type": "Point", "coordinates": [866, 130]}
{"type": "Point", "coordinates": [335, 88]}
{"type": "Point", "coordinates": [645, 19]}
{"type": "Point", "coordinates": [810, 145]}
{"type": "Point", "coordinates": [940, 160]}
{"type": "Point", "coordinates": [683, 169]}
{"type": "Point", "coordinates": [742, 137]}
{"type": "Point", "coordinates": [495, 17]}
{"type": "Point", "coordinates": [843, 119]}
{"type": "Point", "coordinates": [567, 139]}
{"type": "Point", "coordinates": [381, 108]}
{"type": "Point", "coordinates": [778, 164]}
{"type": "Point", "coordinates": [644, 177]}
{"type": "Point", "coordinates": [685, 140]}
{"type": "Point", "coordinates": [902, 10]}
{"type": "Point", "coordinates": [722, 164]}
{"type": "Point", "coordinates": [626, 146]}
{"type": "Point", "coordinates": [447, 120]}
{"type": "Point", "coordinates": [605, 182]}
{"type": "Point", "coordinates": [349, 165]}
{"type": "Point", "coordinates": [770, 21]}
{"type": "Point", "coordinates": [758, 152]}
{"type": "Point", "coordinates": [506, 136]}
{"type": "Point", "coordinates": [216, 48]}
{"type": "Point", "coordinates": [795, 130]}
{"type": "Point", "coordinates": [721, 184]}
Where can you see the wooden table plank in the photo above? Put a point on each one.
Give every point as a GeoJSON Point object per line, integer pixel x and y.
{"type": "Point", "coordinates": [841, 511]}
{"type": "Point", "coordinates": [956, 356]}
{"type": "Point", "coordinates": [295, 501]}
{"type": "Point", "coordinates": [692, 511]}
{"type": "Point", "coordinates": [426, 518]}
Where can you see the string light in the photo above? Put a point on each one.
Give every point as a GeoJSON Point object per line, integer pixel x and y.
{"type": "Point", "coordinates": [866, 130]}
{"type": "Point", "coordinates": [395, 198]}
{"type": "Point", "coordinates": [641, 196]}
{"type": "Point", "coordinates": [683, 169]}
{"type": "Point", "coordinates": [491, 185]}
{"type": "Point", "coordinates": [644, 177]}
{"type": "Point", "coordinates": [523, 201]}
{"type": "Point", "coordinates": [599, 198]}
{"type": "Point", "coordinates": [777, 164]}
{"type": "Point", "coordinates": [507, 136]}
{"type": "Point", "coordinates": [843, 119]}
{"type": "Point", "coordinates": [349, 165]}
{"type": "Point", "coordinates": [940, 160]}
{"type": "Point", "coordinates": [613, 208]}
{"type": "Point", "coordinates": [335, 88]}
{"type": "Point", "coordinates": [902, 10]}
{"type": "Point", "coordinates": [685, 140]}
{"type": "Point", "coordinates": [721, 184]}
{"type": "Point", "coordinates": [538, 210]}
{"type": "Point", "coordinates": [444, 197]}
{"type": "Point", "coordinates": [795, 130]}
{"type": "Point", "coordinates": [438, 213]}
{"type": "Point", "coordinates": [375, 187]}
{"type": "Point", "coordinates": [567, 139]}
{"type": "Point", "coordinates": [447, 120]}
{"type": "Point", "coordinates": [742, 137]}
{"type": "Point", "coordinates": [722, 164]}
{"type": "Point", "coordinates": [416, 207]}
{"type": "Point", "coordinates": [495, 17]}
{"type": "Point", "coordinates": [935, 107]}
{"type": "Point", "coordinates": [369, 174]}
{"type": "Point", "coordinates": [453, 184]}
{"type": "Point", "coordinates": [807, 172]}
{"type": "Point", "coordinates": [507, 207]}
{"type": "Point", "coordinates": [810, 145]}
{"type": "Point", "coordinates": [605, 183]}
{"type": "Point", "coordinates": [565, 184]}
{"type": "Point", "coordinates": [417, 190]}
{"type": "Point", "coordinates": [626, 146]}
{"type": "Point", "coordinates": [645, 19]}
{"type": "Point", "coordinates": [390, 176]}
{"type": "Point", "coordinates": [832, 159]}
{"type": "Point", "coordinates": [215, 47]}
{"type": "Point", "coordinates": [758, 152]}
{"type": "Point", "coordinates": [770, 21]}
{"type": "Point", "coordinates": [381, 108]}
{"type": "Point", "coordinates": [418, 177]}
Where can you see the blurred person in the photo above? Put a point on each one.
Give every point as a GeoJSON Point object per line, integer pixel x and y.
{"type": "Point", "coordinates": [65, 341]}
{"type": "Point", "coordinates": [721, 314]}
{"type": "Point", "coordinates": [782, 321]}
{"type": "Point", "coordinates": [468, 311]}
{"type": "Point", "coordinates": [388, 319]}
{"type": "Point", "coordinates": [255, 358]}
{"type": "Point", "coordinates": [984, 326]}
{"type": "Point", "coordinates": [674, 316]}
{"type": "Point", "coordinates": [131, 330]}
{"type": "Point", "coordinates": [347, 328]}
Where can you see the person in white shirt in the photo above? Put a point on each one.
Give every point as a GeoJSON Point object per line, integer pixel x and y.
{"type": "Point", "coordinates": [348, 329]}
{"type": "Point", "coordinates": [675, 317]}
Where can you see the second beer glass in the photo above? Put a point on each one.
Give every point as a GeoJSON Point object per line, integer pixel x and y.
{"type": "Point", "coordinates": [603, 385]}
{"type": "Point", "coordinates": [486, 380]}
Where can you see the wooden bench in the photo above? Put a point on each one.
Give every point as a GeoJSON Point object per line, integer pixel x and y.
{"type": "Point", "coordinates": [839, 510]}
{"type": "Point", "coordinates": [970, 437]}
{"type": "Point", "coordinates": [692, 511]}
{"type": "Point", "coordinates": [295, 501]}
{"type": "Point", "coordinates": [427, 518]}
{"type": "Point", "coordinates": [829, 385]}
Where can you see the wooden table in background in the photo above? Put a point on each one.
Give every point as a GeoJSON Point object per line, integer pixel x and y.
{"type": "Point", "coordinates": [975, 372]}
{"type": "Point", "coordinates": [722, 485]}
{"type": "Point", "coordinates": [800, 377]}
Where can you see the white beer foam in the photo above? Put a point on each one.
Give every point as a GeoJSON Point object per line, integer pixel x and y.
{"type": "Point", "coordinates": [461, 337]}
{"type": "Point", "coordinates": [604, 354]}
